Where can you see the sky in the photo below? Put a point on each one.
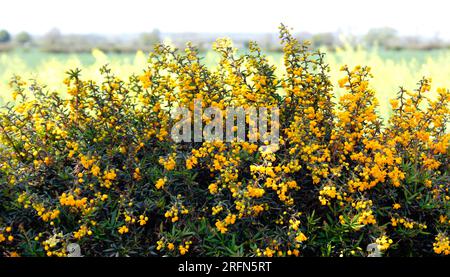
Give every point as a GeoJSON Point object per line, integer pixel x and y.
{"type": "Point", "coordinates": [414, 17]}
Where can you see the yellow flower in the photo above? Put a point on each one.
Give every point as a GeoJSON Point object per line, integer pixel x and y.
{"type": "Point", "coordinates": [160, 245]}
{"type": "Point", "coordinates": [110, 175]}
{"type": "Point", "coordinates": [183, 249]}
{"type": "Point", "coordinates": [216, 210]}
{"type": "Point", "coordinates": [383, 243]}
{"type": "Point", "coordinates": [441, 244]}
{"type": "Point", "coordinates": [342, 82]}
{"type": "Point", "coordinates": [213, 188]}
{"type": "Point", "coordinates": [300, 237]}
{"type": "Point", "coordinates": [137, 174]}
{"type": "Point", "coordinates": [169, 163]}
{"type": "Point", "coordinates": [268, 252]}
{"type": "Point", "coordinates": [221, 226]}
{"type": "Point", "coordinates": [160, 183]}
{"type": "Point", "coordinates": [143, 220]}
{"type": "Point", "coordinates": [123, 230]}
{"type": "Point", "coordinates": [255, 192]}
{"type": "Point", "coordinates": [191, 162]}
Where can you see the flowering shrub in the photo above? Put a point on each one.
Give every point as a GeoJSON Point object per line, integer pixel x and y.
{"type": "Point", "coordinates": [101, 169]}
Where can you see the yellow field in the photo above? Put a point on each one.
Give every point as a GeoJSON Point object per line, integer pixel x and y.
{"type": "Point", "coordinates": [389, 72]}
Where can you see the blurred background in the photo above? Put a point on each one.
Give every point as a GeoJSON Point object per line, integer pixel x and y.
{"type": "Point", "coordinates": [401, 40]}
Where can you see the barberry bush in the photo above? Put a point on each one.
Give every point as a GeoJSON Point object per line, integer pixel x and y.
{"type": "Point", "coordinates": [99, 168]}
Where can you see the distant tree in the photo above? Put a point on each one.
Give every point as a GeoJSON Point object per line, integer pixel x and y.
{"type": "Point", "coordinates": [23, 38]}
{"type": "Point", "coordinates": [4, 36]}
{"type": "Point", "coordinates": [267, 42]}
{"type": "Point", "coordinates": [383, 36]}
{"type": "Point", "coordinates": [246, 44]}
{"type": "Point", "coordinates": [149, 39]}
{"type": "Point", "coordinates": [324, 39]}
{"type": "Point", "coordinates": [53, 36]}
{"type": "Point", "coordinates": [302, 36]}
{"type": "Point", "coordinates": [52, 40]}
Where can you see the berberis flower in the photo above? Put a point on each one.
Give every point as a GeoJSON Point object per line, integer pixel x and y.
{"type": "Point", "coordinates": [99, 167]}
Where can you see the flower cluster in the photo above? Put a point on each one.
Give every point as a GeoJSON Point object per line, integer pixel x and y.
{"type": "Point", "coordinates": [101, 168]}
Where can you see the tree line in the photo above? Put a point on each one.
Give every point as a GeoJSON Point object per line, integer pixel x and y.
{"type": "Point", "coordinates": [56, 42]}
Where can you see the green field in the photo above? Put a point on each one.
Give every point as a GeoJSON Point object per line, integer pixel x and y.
{"type": "Point", "coordinates": [390, 68]}
{"type": "Point", "coordinates": [34, 58]}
